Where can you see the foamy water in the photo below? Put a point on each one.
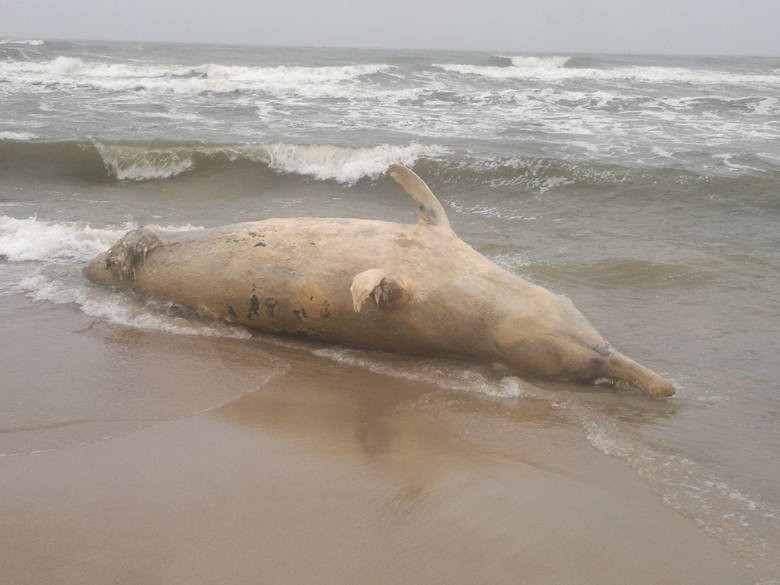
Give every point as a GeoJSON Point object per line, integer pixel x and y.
{"type": "Point", "coordinates": [74, 72]}
{"type": "Point", "coordinates": [554, 71]}
{"type": "Point", "coordinates": [618, 110]}
{"type": "Point", "coordinates": [28, 42]}
{"type": "Point", "coordinates": [54, 254]}
{"type": "Point", "coordinates": [48, 241]}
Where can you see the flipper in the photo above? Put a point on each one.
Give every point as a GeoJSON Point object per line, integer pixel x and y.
{"type": "Point", "coordinates": [388, 291]}
{"type": "Point", "coordinates": [431, 211]}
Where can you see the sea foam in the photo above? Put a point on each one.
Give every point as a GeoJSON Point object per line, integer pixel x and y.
{"type": "Point", "coordinates": [342, 164]}
{"type": "Point", "coordinates": [537, 62]}
{"type": "Point", "coordinates": [431, 371]}
{"type": "Point", "coordinates": [18, 136]}
{"type": "Point", "coordinates": [122, 309]}
{"type": "Point", "coordinates": [29, 42]}
{"type": "Point", "coordinates": [64, 247]}
{"type": "Point", "coordinates": [209, 77]}
{"type": "Point", "coordinates": [641, 74]}
{"type": "Point", "coordinates": [32, 239]}
{"type": "Point", "coordinates": [37, 240]}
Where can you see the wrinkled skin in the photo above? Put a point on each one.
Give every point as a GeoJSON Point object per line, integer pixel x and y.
{"type": "Point", "coordinates": [374, 284]}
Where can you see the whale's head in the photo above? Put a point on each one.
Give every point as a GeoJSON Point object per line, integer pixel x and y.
{"type": "Point", "coordinates": [551, 339]}
{"type": "Point", "coordinates": [117, 266]}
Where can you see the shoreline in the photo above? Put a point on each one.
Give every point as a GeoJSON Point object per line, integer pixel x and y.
{"type": "Point", "coordinates": [327, 473]}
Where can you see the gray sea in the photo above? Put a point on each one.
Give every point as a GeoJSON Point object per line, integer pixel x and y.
{"type": "Point", "coordinates": [645, 188]}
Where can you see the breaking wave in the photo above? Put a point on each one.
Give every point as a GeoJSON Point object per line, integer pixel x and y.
{"type": "Point", "coordinates": [642, 74]}
{"type": "Point", "coordinates": [18, 136]}
{"type": "Point", "coordinates": [95, 160]}
{"type": "Point", "coordinates": [539, 62]}
{"type": "Point", "coordinates": [32, 239]}
{"type": "Point", "coordinates": [29, 43]}
{"type": "Point", "coordinates": [209, 77]}
{"type": "Point", "coordinates": [322, 162]}
{"type": "Point", "coordinates": [37, 240]}
{"type": "Point", "coordinates": [344, 165]}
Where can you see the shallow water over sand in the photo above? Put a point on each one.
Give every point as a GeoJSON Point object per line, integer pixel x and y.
{"type": "Point", "coordinates": [319, 472]}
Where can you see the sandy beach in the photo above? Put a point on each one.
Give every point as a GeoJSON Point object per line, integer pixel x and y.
{"type": "Point", "coordinates": [238, 461]}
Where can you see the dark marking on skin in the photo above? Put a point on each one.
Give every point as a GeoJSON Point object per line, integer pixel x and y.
{"type": "Point", "coordinates": [130, 252]}
{"type": "Point", "coordinates": [303, 332]}
{"type": "Point", "coordinates": [311, 298]}
{"type": "Point", "coordinates": [389, 294]}
{"type": "Point", "coordinates": [254, 308]}
{"type": "Point", "coordinates": [314, 333]}
{"type": "Point", "coordinates": [270, 306]}
{"type": "Point", "coordinates": [313, 243]}
{"type": "Point", "coordinates": [231, 312]}
{"type": "Point", "coordinates": [261, 243]}
{"type": "Point", "coordinates": [300, 313]}
{"type": "Point", "coordinates": [422, 207]}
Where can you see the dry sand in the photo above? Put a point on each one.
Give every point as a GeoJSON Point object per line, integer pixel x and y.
{"type": "Point", "coordinates": [325, 474]}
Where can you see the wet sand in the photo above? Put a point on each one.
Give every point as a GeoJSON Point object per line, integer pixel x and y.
{"type": "Point", "coordinates": [142, 457]}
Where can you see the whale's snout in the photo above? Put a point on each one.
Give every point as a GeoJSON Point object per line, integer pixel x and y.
{"type": "Point", "coordinates": [625, 372]}
{"type": "Point", "coordinates": [96, 270]}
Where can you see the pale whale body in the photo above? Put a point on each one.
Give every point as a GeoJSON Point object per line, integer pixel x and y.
{"type": "Point", "coordinates": [403, 288]}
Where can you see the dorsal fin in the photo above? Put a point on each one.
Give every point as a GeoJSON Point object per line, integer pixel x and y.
{"type": "Point", "coordinates": [431, 211]}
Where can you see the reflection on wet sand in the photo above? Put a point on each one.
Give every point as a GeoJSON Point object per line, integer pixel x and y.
{"type": "Point", "coordinates": [319, 472]}
{"type": "Point", "coordinates": [395, 426]}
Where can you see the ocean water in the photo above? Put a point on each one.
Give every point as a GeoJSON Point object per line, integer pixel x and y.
{"type": "Point", "coordinates": [646, 188]}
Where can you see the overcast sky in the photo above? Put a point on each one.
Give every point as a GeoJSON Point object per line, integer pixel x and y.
{"type": "Point", "coordinates": [749, 27]}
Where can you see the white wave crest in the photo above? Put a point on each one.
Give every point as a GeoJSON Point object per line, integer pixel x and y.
{"type": "Point", "coordinates": [539, 62]}
{"type": "Point", "coordinates": [342, 164]}
{"type": "Point", "coordinates": [18, 136]}
{"type": "Point", "coordinates": [642, 74]}
{"type": "Point", "coordinates": [34, 239]}
{"type": "Point", "coordinates": [323, 162]}
{"type": "Point", "coordinates": [30, 43]}
{"type": "Point", "coordinates": [210, 77]}
{"type": "Point", "coordinates": [137, 163]}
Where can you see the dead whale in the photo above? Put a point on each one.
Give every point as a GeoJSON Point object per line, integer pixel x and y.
{"type": "Point", "coordinates": [403, 288]}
